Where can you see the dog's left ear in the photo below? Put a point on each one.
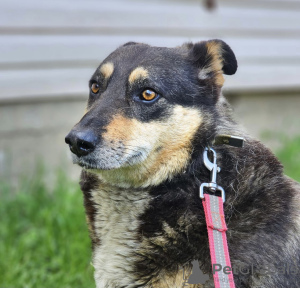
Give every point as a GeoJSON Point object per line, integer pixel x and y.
{"type": "Point", "coordinates": [213, 58]}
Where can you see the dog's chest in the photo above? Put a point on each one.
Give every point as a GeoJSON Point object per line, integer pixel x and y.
{"type": "Point", "coordinates": [116, 224]}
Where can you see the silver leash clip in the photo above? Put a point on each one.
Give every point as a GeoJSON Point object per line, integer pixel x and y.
{"type": "Point", "coordinates": [213, 167]}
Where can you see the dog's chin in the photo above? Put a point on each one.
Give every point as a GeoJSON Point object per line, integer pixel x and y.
{"type": "Point", "coordinates": [89, 166]}
{"type": "Point", "coordinates": [90, 163]}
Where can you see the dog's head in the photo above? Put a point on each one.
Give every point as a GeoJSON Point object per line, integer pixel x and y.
{"type": "Point", "coordinates": [146, 106]}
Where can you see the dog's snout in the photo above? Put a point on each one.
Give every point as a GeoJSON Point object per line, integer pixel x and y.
{"type": "Point", "coordinates": [81, 143]}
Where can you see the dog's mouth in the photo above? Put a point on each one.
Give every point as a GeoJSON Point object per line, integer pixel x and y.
{"type": "Point", "coordinates": [84, 162]}
{"type": "Point", "coordinates": [102, 161]}
{"type": "Point", "coordinates": [88, 166]}
{"type": "Point", "coordinates": [88, 163]}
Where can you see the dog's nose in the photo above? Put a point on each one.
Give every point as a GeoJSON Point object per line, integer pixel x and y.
{"type": "Point", "coordinates": [81, 143]}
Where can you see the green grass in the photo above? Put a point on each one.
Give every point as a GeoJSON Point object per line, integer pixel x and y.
{"type": "Point", "coordinates": [44, 237]}
{"type": "Point", "coordinates": [289, 155]}
{"type": "Point", "coordinates": [44, 240]}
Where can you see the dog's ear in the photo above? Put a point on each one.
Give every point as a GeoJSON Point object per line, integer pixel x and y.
{"type": "Point", "coordinates": [213, 58]}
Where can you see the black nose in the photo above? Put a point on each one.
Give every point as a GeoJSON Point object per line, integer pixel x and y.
{"type": "Point", "coordinates": [81, 143]}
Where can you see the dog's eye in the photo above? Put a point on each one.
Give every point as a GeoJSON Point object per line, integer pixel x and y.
{"type": "Point", "coordinates": [95, 88]}
{"type": "Point", "coordinates": [148, 95]}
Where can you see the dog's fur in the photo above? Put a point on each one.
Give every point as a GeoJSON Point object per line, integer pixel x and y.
{"type": "Point", "coordinates": [141, 183]}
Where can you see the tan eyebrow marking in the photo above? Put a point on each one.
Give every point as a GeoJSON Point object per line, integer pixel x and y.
{"type": "Point", "coordinates": [107, 69]}
{"type": "Point", "coordinates": [138, 73]}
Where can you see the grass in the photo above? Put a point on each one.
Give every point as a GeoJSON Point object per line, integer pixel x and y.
{"type": "Point", "coordinates": [289, 155]}
{"type": "Point", "coordinates": [44, 238]}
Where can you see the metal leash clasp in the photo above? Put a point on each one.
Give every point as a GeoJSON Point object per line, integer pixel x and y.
{"type": "Point", "coordinates": [213, 167]}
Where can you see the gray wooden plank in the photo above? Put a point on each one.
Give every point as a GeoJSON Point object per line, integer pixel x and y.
{"type": "Point", "coordinates": [137, 15]}
{"type": "Point", "coordinates": [30, 84]}
{"type": "Point", "coordinates": [273, 4]}
{"type": "Point", "coordinates": [61, 83]}
{"type": "Point", "coordinates": [29, 52]}
{"type": "Point", "coordinates": [268, 77]}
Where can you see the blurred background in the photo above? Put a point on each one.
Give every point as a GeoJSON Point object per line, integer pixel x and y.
{"type": "Point", "coordinates": [49, 50]}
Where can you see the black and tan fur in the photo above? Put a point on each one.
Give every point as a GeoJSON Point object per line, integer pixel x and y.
{"type": "Point", "coordinates": [142, 168]}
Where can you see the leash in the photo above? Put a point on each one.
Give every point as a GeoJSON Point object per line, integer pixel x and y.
{"type": "Point", "coordinates": [215, 218]}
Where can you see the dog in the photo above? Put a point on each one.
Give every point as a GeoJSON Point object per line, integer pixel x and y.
{"type": "Point", "coordinates": [150, 115]}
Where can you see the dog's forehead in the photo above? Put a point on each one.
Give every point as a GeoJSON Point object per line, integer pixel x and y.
{"type": "Point", "coordinates": [128, 58]}
{"type": "Point", "coordinates": [142, 53]}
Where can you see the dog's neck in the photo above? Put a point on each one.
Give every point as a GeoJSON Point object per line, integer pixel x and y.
{"type": "Point", "coordinates": [115, 231]}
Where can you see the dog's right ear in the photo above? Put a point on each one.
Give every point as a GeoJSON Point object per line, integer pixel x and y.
{"type": "Point", "coordinates": [213, 58]}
